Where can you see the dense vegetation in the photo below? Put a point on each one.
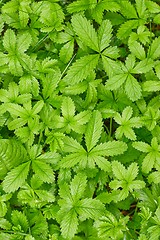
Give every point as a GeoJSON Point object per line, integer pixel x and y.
{"type": "Point", "coordinates": [79, 120]}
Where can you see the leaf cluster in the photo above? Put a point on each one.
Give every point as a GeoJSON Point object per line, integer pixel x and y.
{"type": "Point", "coordinates": [79, 119]}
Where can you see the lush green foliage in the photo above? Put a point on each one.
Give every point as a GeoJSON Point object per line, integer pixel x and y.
{"type": "Point", "coordinates": [79, 120]}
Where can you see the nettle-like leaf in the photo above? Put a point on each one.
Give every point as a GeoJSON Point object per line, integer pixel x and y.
{"type": "Point", "coordinates": [81, 69]}
{"type": "Point", "coordinates": [132, 86]}
{"type": "Point", "coordinates": [110, 226]}
{"type": "Point", "coordinates": [152, 157]}
{"type": "Point", "coordinates": [127, 122]}
{"type": "Point", "coordinates": [74, 207]}
{"type": "Point", "coordinates": [13, 95]}
{"type": "Point", "coordinates": [16, 14]}
{"type": "Point", "coordinates": [125, 179]}
{"type": "Point", "coordinates": [85, 31]}
{"type": "Point", "coordinates": [16, 46]}
{"type": "Point", "coordinates": [94, 154]}
{"type": "Point", "coordinates": [16, 177]}
{"type": "Point", "coordinates": [51, 16]}
{"type": "Point", "coordinates": [25, 115]}
{"type": "Point", "coordinates": [69, 121]}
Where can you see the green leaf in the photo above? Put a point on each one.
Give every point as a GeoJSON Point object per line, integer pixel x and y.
{"type": "Point", "coordinates": [85, 31]}
{"type": "Point", "coordinates": [80, 5]}
{"type": "Point", "coordinates": [154, 51]}
{"type": "Point", "coordinates": [141, 146]}
{"type": "Point", "coordinates": [16, 177]}
{"type": "Point", "coordinates": [78, 186]}
{"type": "Point", "coordinates": [101, 162]}
{"type": "Point", "coordinates": [66, 51]}
{"type": "Point", "coordinates": [43, 170]}
{"type": "Point", "coordinates": [3, 59]}
{"type": "Point", "coordinates": [68, 108]}
{"type": "Point", "coordinates": [154, 177]}
{"type": "Point", "coordinates": [90, 208]}
{"type": "Point", "coordinates": [133, 88]}
{"type": "Point", "coordinates": [148, 162]}
{"type": "Point", "coordinates": [141, 7]}
{"type": "Point", "coordinates": [137, 49]}
{"type": "Point", "coordinates": [69, 224]}
{"type": "Point", "coordinates": [93, 131]}
{"type": "Point", "coordinates": [72, 159]}
{"type": "Point", "coordinates": [104, 34]}
{"type": "Point", "coordinates": [81, 69]}
{"type": "Point", "coordinates": [111, 148]}
{"type": "Point", "coordinates": [128, 10]}
{"type": "Point", "coordinates": [116, 81]}
{"type": "Point", "coordinates": [3, 209]}
{"type": "Point", "coordinates": [125, 29]}
{"type": "Point", "coordinates": [12, 153]}
{"type": "Point", "coordinates": [118, 170]}
{"type": "Point", "coordinates": [153, 7]}
{"type": "Point", "coordinates": [109, 226]}
{"type": "Point", "coordinates": [143, 66]}
{"type": "Point", "coordinates": [23, 42]}
{"type": "Point", "coordinates": [151, 86]}
{"type": "Point", "coordinates": [19, 219]}
{"type": "Point", "coordinates": [71, 145]}
{"type": "Point", "coordinates": [9, 41]}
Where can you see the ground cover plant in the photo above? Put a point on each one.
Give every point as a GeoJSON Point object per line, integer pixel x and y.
{"type": "Point", "coordinates": [79, 120]}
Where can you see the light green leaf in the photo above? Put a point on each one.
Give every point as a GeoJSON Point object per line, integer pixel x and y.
{"type": "Point", "coordinates": [43, 170]}
{"type": "Point", "coordinates": [16, 178]}
{"type": "Point", "coordinates": [69, 224]}
{"type": "Point", "coordinates": [78, 186]}
{"type": "Point", "coordinates": [126, 28]}
{"type": "Point", "coordinates": [111, 148]}
{"type": "Point", "coordinates": [85, 31]}
{"type": "Point", "coordinates": [37, 107]}
{"type": "Point", "coordinates": [141, 146]}
{"type": "Point", "coordinates": [126, 114]}
{"type": "Point", "coordinates": [12, 153]}
{"type": "Point", "coordinates": [128, 10]}
{"type": "Point", "coordinates": [3, 59]}
{"type": "Point", "coordinates": [118, 170]}
{"type": "Point", "coordinates": [90, 208]}
{"type": "Point", "coordinates": [153, 7]}
{"type": "Point", "coordinates": [111, 67]}
{"type": "Point", "coordinates": [154, 177]}
{"type": "Point", "coordinates": [79, 5]}
{"type": "Point", "coordinates": [68, 108]}
{"type": "Point", "coordinates": [14, 65]}
{"type": "Point", "coordinates": [137, 49]}
{"type": "Point", "coordinates": [81, 69]}
{"type": "Point", "coordinates": [66, 51]}
{"type": "Point", "coordinates": [151, 86]}
{"type": "Point", "coordinates": [141, 7]}
{"type": "Point", "coordinates": [116, 81]}
{"type": "Point", "coordinates": [23, 42]}
{"type": "Point", "coordinates": [131, 172]}
{"type": "Point", "coordinates": [148, 162]}
{"type": "Point", "coordinates": [101, 162]}
{"type": "Point", "coordinates": [104, 34]}
{"type": "Point", "coordinates": [9, 41]}
{"type": "Point", "coordinates": [93, 131]}
{"type": "Point", "coordinates": [3, 209]}
{"type": "Point", "coordinates": [133, 88]}
{"type": "Point", "coordinates": [71, 145]}
{"type": "Point", "coordinates": [19, 219]}
{"type": "Point", "coordinates": [154, 51]}
{"type": "Point", "coordinates": [72, 159]}
{"type": "Point", "coordinates": [143, 66]}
